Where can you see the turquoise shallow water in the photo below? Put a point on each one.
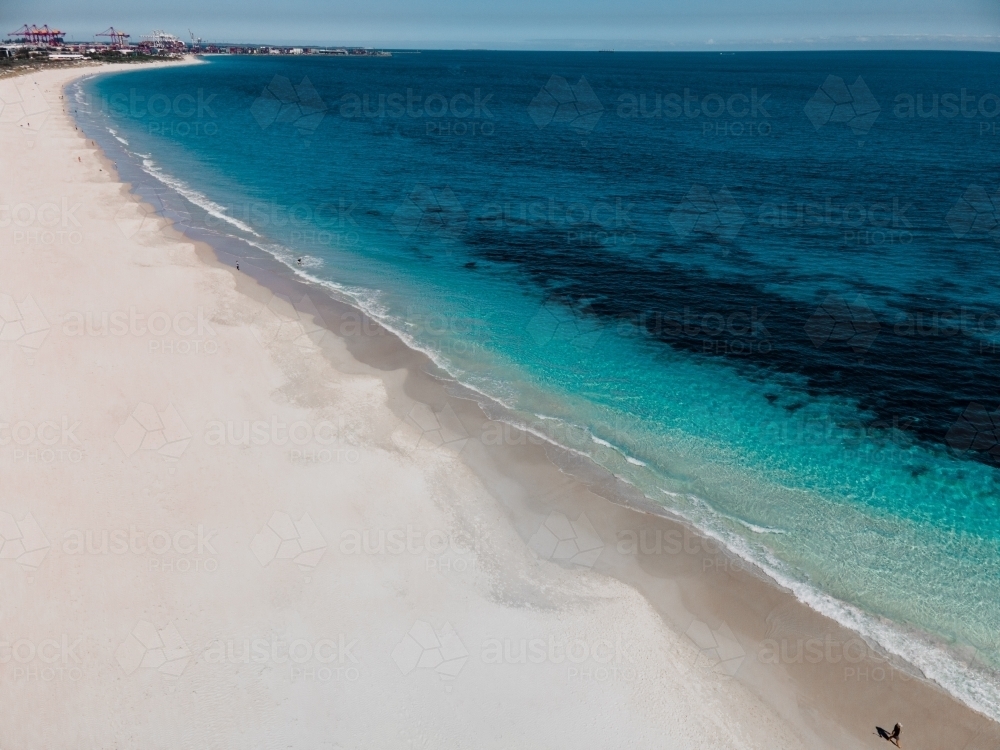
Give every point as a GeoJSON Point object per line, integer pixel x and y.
{"type": "Point", "coordinates": [760, 287]}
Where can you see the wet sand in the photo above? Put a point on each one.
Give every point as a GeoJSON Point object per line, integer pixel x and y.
{"type": "Point", "coordinates": [276, 524]}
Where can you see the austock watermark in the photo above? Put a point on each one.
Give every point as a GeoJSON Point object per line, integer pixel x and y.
{"type": "Point", "coordinates": [23, 323]}
{"type": "Point", "coordinates": [539, 432]}
{"type": "Point", "coordinates": [26, 105]}
{"type": "Point", "coordinates": [573, 541]}
{"type": "Point", "coordinates": [977, 325]}
{"type": "Point", "coordinates": [976, 432]}
{"type": "Point", "coordinates": [148, 647]}
{"type": "Point", "coordinates": [330, 223]}
{"type": "Point", "coordinates": [303, 441]}
{"type": "Point", "coordinates": [741, 333]}
{"type": "Point", "coordinates": [839, 322]}
{"type": "Point", "coordinates": [283, 103]}
{"type": "Point", "coordinates": [982, 108]}
{"type": "Point", "coordinates": [42, 442]}
{"type": "Point", "coordinates": [729, 114]}
{"type": "Point", "coordinates": [861, 663]}
{"type": "Point", "coordinates": [877, 441]}
{"type": "Point", "coordinates": [463, 114]}
{"type": "Point", "coordinates": [57, 658]}
{"type": "Point", "coordinates": [724, 115]}
{"type": "Point", "coordinates": [857, 107]}
{"type": "Point", "coordinates": [582, 222]}
{"type": "Point", "coordinates": [148, 429]}
{"type": "Point", "coordinates": [658, 541]}
{"type": "Point", "coordinates": [835, 101]}
{"type": "Point", "coordinates": [560, 102]}
{"type": "Point", "coordinates": [581, 658]}
{"type": "Point", "coordinates": [588, 223]}
{"type": "Point", "coordinates": [976, 214]}
{"type": "Point", "coordinates": [285, 538]}
{"type": "Point", "coordinates": [460, 330]}
{"type": "Point", "coordinates": [182, 333]}
{"type": "Point", "coordinates": [166, 551]}
{"type": "Point", "coordinates": [430, 210]}
{"type": "Point", "coordinates": [707, 212]}
{"type": "Point", "coordinates": [48, 223]}
{"type": "Point", "coordinates": [860, 223]}
{"type": "Point", "coordinates": [23, 541]}
{"type": "Point", "coordinates": [718, 651]}
{"type": "Point", "coordinates": [285, 319]}
{"type": "Point", "coordinates": [560, 322]}
{"type": "Point", "coordinates": [442, 550]}
{"type": "Point", "coordinates": [328, 659]}
{"type": "Point", "coordinates": [425, 647]}
{"type": "Point", "coordinates": [183, 115]}
{"type": "Point", "coordinates": [431, 428]}
{"type": "Point", "coordinates": [577, 656]}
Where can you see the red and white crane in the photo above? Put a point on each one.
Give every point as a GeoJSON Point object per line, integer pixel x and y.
{"type": "Point", "coordinates": [119, 39]}
{"type": "Point", "coordinates": [41, 35]}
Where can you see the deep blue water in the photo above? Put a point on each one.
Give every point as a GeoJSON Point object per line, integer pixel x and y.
{"type": "Point", "coordinates": [766, 283]}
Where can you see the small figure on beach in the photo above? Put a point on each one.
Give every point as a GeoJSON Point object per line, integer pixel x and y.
{"type": "Point", "coordinates": [892, 737]}
{"type": "Point", "coordinates": [299, 261]}
{"type": "Point", "coordinates": [237, 265]}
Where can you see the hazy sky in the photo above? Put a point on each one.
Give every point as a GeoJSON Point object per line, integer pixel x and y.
{"type": "Point", "coordinates": [538, 24]}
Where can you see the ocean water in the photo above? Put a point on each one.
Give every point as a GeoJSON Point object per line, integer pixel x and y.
{"type": "Point", "coordinates": [763, 288]}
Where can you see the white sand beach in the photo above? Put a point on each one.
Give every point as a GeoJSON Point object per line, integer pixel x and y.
{"type": "Point", "coordinates": [221, 529]}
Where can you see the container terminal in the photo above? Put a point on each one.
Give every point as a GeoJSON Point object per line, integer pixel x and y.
{"type": "Point", "coordinates": [31, 40]}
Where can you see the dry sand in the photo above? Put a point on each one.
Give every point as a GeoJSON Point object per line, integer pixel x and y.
{"type": "Point", "coordinates": [231, 519]}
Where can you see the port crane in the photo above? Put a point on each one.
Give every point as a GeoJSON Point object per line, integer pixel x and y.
{"type": "Point", "coordinates": [118, 38]}
{"type": "Point", "coordinates": [38, 34]}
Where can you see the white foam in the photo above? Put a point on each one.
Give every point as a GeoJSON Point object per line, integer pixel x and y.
{"type": "Point", "coordinates": [975, 688]}
{"type": "Point", "coordinates": [198, 199]}
{"type": "Point", "coordinates": [616, 449]}
{"type": "Point", "coordinates": [972, 688]}
{"type": "Point", "coordinates": [760, 529]}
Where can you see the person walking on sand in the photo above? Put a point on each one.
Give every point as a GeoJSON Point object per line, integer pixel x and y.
{"type": "Point", "coordinates": [892, 737]}
{"type": "Point", "coordinates": [237, 265]}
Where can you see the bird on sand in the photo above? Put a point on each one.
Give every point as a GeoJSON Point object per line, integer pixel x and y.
{"type": "Point", "coordinates": [892, 736]}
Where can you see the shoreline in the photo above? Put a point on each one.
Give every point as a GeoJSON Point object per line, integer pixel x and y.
{"type": "Point", "coordinates": [586, 492]}
{"type": "Point", "coordinates": [276, 274]}
{"type": "Point", "coordinates": [737, 621]}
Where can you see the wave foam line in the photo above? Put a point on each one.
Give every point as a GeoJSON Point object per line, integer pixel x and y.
{"type": "Point", "coordinates": [972, 688]}
{"type": "Point", "coordinates": [198, 199]}
{"type": "Point", "coordinates": [976, 688]}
